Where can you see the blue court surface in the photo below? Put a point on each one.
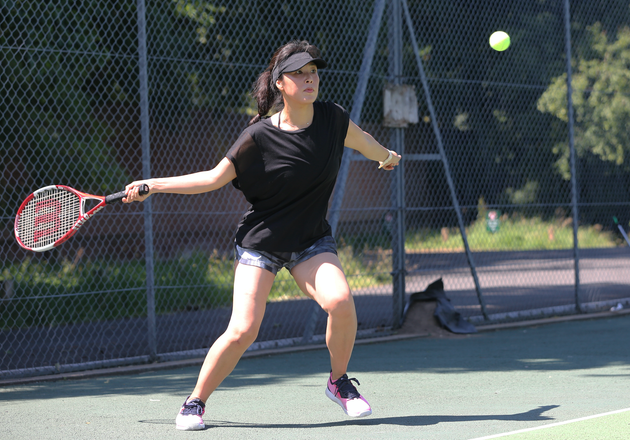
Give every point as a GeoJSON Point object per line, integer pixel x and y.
{"type": "Point", "coordinates": [564, 380]}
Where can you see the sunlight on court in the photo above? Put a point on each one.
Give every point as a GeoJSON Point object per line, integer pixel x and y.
{"type": "Point", "coordinates": [612, 425]}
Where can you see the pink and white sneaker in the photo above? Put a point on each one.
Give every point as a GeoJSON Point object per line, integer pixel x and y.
{"type": "Point", "coordinates": [189, 417]}
{"type": "Point", "coordinates": [345, 394]}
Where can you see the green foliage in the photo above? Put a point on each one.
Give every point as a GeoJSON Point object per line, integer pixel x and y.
{"type": "Point", "coordinates": [50, 131]}
{"type": "Point", "coordinates": [65, 63]}
{"type": "Point", "coordinates": [194, 282]}
{"type": "Point", "coordinates": [516, 233]}
{"type": "Point", "coordinates": [601, 98]}
{"type": "Point", "coordinates": [370, 268]}
{"type": "Point", "coordinates": [49, 293]}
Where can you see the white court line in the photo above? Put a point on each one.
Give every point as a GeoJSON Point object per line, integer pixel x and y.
{"type": "Point", "coordinates": [552, 425]}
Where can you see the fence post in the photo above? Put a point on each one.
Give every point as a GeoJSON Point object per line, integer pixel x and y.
{"type": "Point", "coordinates": [572, 157]}
{"type": "Point", "coordinates": [146, 173]}
{"type": "Point", "coordinates": [397, 140]}
{"type": "Point", "coordinates": [355, 116]}
{"type": "Point", "coordinates": [447, 171]}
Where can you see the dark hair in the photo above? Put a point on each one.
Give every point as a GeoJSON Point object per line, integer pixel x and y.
{"type": "Point", "coordinates": [264, 90]}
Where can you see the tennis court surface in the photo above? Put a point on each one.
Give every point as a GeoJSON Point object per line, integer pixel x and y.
{"type": "Point", "coordinates": [566, 380]}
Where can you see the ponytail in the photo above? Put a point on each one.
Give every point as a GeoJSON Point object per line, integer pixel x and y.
{"type": "Point", "coordinates": [266, 94]}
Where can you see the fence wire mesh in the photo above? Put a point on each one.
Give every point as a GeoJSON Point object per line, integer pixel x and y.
{"type": "Point", "coordinates": [97, 94]}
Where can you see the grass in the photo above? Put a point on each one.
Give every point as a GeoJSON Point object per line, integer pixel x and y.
{"type": "Point", "coordinates": [360, 272]}
{"type": "Point", "coordinates": [44, 293]}
{"type": "Point", "coordinates": [38, 292]}
{"type": "Point", "coordinates": [514, 234]}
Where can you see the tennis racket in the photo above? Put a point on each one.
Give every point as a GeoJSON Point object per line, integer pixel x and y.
{"type": "Point", "coordinates": [51, 215]}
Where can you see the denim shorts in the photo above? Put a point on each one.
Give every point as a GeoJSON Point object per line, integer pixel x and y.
{"type": "Point", "coordinates": [274, 262]}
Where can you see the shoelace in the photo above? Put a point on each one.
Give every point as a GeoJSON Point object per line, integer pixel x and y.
{"type": "Point", "coordinates": [345, 388]}
{"type": "Point", "coordinates": [194, 407]}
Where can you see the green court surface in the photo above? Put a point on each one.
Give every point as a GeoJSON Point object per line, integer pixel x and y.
{"type": "Point", "coordinates": [611, 426]}
{"type": "Point", "coordinates": [528, 383]}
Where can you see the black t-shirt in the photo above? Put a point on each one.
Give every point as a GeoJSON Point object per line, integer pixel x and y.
{"type": "Point", "coordinates": [288, 177]}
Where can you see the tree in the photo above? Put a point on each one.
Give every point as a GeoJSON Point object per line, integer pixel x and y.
{"type": "Point", "coordinates": [601, 99]}
{"type": "Point", "coordinates": [50, 53]}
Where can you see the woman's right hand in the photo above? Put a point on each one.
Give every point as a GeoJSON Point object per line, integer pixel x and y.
{"type": "Point", "coordinates": [133, 194]}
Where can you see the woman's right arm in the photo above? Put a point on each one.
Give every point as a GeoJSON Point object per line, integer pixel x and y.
{"type": "Point", "coordinates": [196, 183]}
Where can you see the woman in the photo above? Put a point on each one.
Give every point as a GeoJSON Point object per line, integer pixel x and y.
{"type": "Point", "coordinates": [286, 165]}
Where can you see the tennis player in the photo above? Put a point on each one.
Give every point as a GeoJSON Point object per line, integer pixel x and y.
{"type": "Point", "coordinates": [286, 166]}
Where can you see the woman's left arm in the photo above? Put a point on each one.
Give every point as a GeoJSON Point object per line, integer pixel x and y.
{"type": "Point", "coordinates": [365, 144]}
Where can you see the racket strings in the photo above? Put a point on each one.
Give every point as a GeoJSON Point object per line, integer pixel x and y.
{"type": "Point", "coordinates": [48, 217]}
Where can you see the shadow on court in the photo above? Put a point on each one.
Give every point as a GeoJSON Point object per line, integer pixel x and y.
{"type": "Point", "coordinates": [533, 415]}
{"type": "Point", "coordinates": [461, 387]}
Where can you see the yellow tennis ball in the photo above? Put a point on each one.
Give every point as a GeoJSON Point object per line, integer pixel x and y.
{"type": "Point", "coordinates": [499, 41]}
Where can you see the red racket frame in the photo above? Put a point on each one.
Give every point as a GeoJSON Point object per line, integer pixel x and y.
{"type": "Point", "coordinates": [51, 215]}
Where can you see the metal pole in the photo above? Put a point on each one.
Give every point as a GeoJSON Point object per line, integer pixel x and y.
{"type": "Point", "coordinates": [574, 177]}
{"type": "Point", "coordinates": [355, 116]}
{"type": "Point", "coordinates": [399, 270]}
{"type": "Point", "coordinates": [146, 173]}
{"type": "Point", "coordinates": [397, 140]}
{"type": "Point", "coordinates": [447, 171]}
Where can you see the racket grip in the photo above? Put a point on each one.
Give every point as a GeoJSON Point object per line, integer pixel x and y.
{"type": "Point", "coordinates": [117, 197]}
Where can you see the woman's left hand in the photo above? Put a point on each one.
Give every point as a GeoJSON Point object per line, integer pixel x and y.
{"type": "Point", "coordinates": [391, 161]}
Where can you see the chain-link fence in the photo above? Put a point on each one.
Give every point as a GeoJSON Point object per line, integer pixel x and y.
{"type": "Point", "coordinates": [501, 172]}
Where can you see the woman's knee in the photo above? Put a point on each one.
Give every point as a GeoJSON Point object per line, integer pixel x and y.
{"type": "Point", "coordinates": [242, 335]}
{"type": "Point", "coordinates": [340, 305]}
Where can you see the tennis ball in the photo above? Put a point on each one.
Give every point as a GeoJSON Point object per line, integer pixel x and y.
{"type": "Point", "coordinates": [499, 41]}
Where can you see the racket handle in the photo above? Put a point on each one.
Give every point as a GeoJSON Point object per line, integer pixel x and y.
{"type": "Point", "coordinates": [113, 198]}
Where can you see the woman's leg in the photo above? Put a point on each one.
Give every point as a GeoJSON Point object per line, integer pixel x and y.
{"type": "Point", "coordinates": [251, 288]}
{"type": "Point", "coordinates": [322, 278]}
